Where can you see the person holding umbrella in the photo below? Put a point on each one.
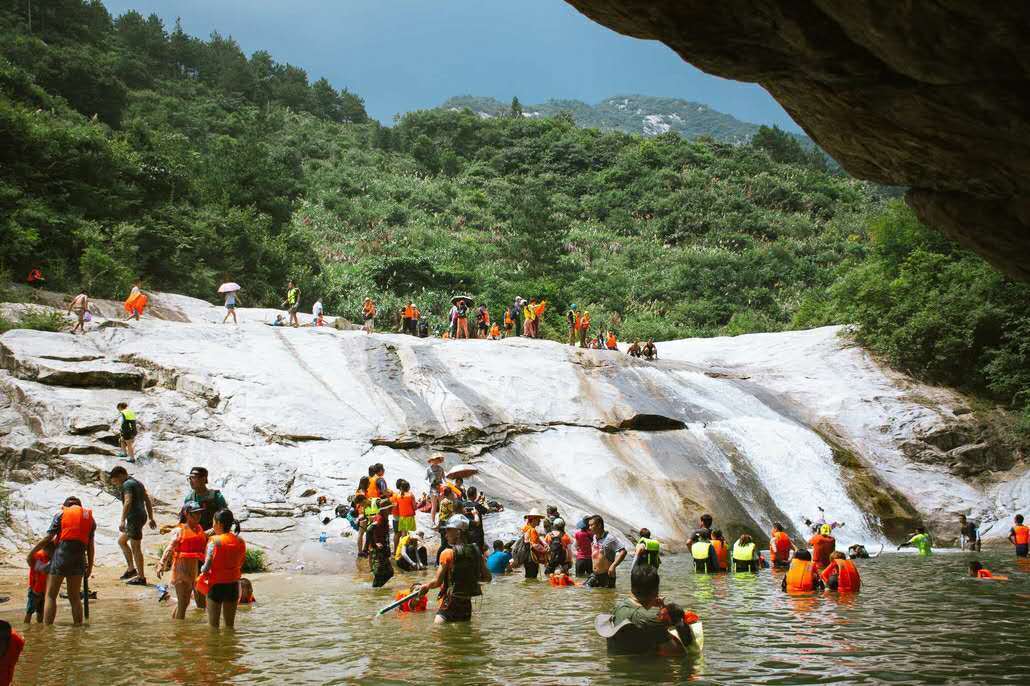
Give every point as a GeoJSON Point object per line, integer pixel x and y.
{"type": "Point", "coordinates": [463, 303]}
{"type": "Point", "coordinates": [231, 292]}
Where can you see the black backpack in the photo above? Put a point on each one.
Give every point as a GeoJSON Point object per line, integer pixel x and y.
{"type": "Point", "coordinates": [520, 552]}
{"type": "Point", "coordinates": [423, 329]}
{"type": "Point", "coordinates": [557, 552]}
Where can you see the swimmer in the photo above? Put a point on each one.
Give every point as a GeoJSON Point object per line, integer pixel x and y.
{"type": "Point", "coordinates": [921, 541]}
{"type": "Point", "coordinates": [978, 571]}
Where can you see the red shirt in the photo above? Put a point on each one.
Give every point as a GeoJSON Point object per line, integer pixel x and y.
{"type": "Point", "coordinates": [583, 541]}
{"type": "Point", "coordinates": [37, 571]}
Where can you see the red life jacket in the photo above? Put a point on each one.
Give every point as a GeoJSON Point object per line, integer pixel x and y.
{"type": "Point", "coordinates": [780, 547]}
{"type": "Point", "coordinates": [1022, 534]}
{"type": "Point", "coordinates": [983, 574]}
{"type": "Point", "coordinates": [76, 524]}
{"type": "Point", "coordinates": [722, 551]}
{"type": "Point", "coordinates": [37, 571]}
{"type": "Point", "coordinates": [848, 580]}
{"type": "Point", "coordinates": [799, 577]}
{"type": "Point", "coordinates": [10, 658]}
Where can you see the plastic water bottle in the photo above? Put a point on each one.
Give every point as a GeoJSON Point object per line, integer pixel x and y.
{"type": "Point", "coordinates": [322, 538]}
{"type": "Point", "coordinates": [162, 592]}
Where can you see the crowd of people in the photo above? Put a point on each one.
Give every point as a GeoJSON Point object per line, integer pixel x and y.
{"type": "Point", "coordinates": [521, 318]}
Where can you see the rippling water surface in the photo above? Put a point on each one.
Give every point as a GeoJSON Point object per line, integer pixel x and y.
{"type": "Point", "coordinates": [916, 621]}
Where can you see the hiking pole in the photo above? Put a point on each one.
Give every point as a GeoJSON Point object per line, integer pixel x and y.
{"type": "Point", "coordinates": [85, 597]}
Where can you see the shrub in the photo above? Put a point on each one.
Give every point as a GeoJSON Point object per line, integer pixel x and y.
{"type": "Point", "coordinates": [254, 561]}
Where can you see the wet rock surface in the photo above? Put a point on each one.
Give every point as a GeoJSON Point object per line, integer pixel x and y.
{"type": "Point", "coordinates": [930, 95]}
{"type": "Point", "coordinates": [282, 417]}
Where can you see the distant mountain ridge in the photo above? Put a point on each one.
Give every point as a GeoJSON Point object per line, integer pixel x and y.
{"type": "Point", "coordinates": [641, 114]}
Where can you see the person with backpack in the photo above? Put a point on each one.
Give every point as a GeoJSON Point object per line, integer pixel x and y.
{"type": "Point", "coordinates": [462, 568]}
{"type": "Point", "coordinates": [529, 551]}
{"type": "Point", "coordinates": [482, 322]}
{"type": "Point", "coordinates": [648, 550]}
{"type": "Point", "coordinates": [559, 557]}
{"type": "Point", "coordinates": [127, 431]}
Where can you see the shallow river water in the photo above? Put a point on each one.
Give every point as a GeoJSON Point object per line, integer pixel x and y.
{"type": "Point", "coordinates": [916, 621]}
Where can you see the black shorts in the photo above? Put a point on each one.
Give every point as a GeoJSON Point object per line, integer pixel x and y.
{"type": "Point", "coordinates": [584, 567]}
{"type": "Point", "coordinates": [225, 593]}
{"type": "Point", "coordinates": [134, 526]}
{"type": "Point", "coordinates": [128, 434]}
{"type": "Point", "coordinates": [69, 559]}
{"type": "Point", "coordinates": [601, 580]}
{"type": "Point", "coordinates": [1022, 550]}
{"type": "Point", "coordinates": [454, 609]}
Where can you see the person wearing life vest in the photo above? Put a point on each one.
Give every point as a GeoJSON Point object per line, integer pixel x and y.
{"type": "Point", "coordinates": [584, 329]}
{"type": "Point", "coordinates": [35, 279]}
{"type": "Point", "coordinates": [136, 301]}
{"type": "Point", "coordinates": [222, 569]}
{"type": "Point", "coordinates": [462, 568]}
{"type": "Point", "coordinates": [745, 555]}
{"type": "Point", "coordinates": [482, 321]}
{"type": "Point", "coordinates": [409, 323]}
{"type": "Point", "coordinates": [509, 322]}
{"type": "Point", "coordinates": [292, 303]}
{"type": "Point", "coordinates": [841, 574]}
{"type": "Point", "coordinates": [559, 547]}
{"type": "Point", "coordinates": [39, 563]}
{"type": "Point", "coordinates": [72, 530]}
{"type": "Point", "coordinates": [1019, 536]}
{"type": "Point", "coordinates": [127, 431]}
{"type": "Point", "coordinates": [368, 313]}
{"type": "Point", "coordinates": [648, 550]}
{"type": "Point", "coordinates": [11, 645]}
{"type": "Point", "coordinates": [780, 546]}
{"type": "Point", "coordinates": [978, 571]}
{"type": "Point", "coordinates": [184, 553]}
{"type": "Point", "coordinates": [722, 550]}
{"type": "Point", "coordinates": [802, 577]}
{"type": "Point", "coordinates": [822, 545]}
{"type": "Point", "coordinates": [611, 342]}
{"type": "Point", "coordinates": [572, 318]}
{"type": "Point", "coordinates": [706, 560]}
{"type": "Point", "coordinates": [403, 511]}
{"type": "Point", "coordinates": [921, 541]}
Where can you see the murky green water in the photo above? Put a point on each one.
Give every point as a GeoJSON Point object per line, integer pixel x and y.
{"type": "Point", "coordinates": [916, 621]}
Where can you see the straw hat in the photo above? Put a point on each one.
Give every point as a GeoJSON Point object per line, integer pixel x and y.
{"type": "Point", "coordinates": [534, 513]}
{"type": "Point", "coordinates": [435, 459]}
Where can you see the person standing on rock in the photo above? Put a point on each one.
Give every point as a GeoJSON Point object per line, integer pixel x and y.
{"type": "Point", "coordinates": [584, 329]}
{"type": "Point", "coordinates": [232, 299]}
{"type": "Point", "coordinates": [572, 317]}
{"type": "Point", "coordinates": [127, 431]}
{"type": "Point", "coordinates": [368, 313]}
{"type": "Point", "coordinates": [210, 499]}
{"type": "Point", "coordinates": [316, 313]}
{"type": "Point", "coordinates": [73, 530]}
{"type": "Point", "coordinates": [607, 553]}
{"type": "Point", "coordinates": [136, 301]}
{"type": "Point", "coordinates": [968, 534]}
{"type": "Point", "coordinates": [137, 510]}
{"type": "Point", "coordinates": [1019, 536]}
{"type": "Point", "coordinates": [292, 303]}
{"type": "Point", "coordinates": [80, 306]}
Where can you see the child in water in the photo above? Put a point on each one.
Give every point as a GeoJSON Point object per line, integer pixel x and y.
{"type": "Point", "coordinates": [246, 592]}
{"type": "Point", "coordinates": [416, 604]}
{"type": "Point", "coordinates": [39, 563]}
{"type": "Point", "coordinates": [978, 571]}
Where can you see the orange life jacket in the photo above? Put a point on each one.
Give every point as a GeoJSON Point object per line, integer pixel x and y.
{"type": "Point", "coordinates": [37, 571]}
{"type": "Point", "coordinates": [799, 577]}
{"type": "Point", "coordinates": [35, 275]}
{"type": "Point", "coordinates": [983, 574]}
{"type": "Point", "coordinates": [822, 546]}
{"type": "Point", "coordinates": [723, 553]}
{"type": "Point", "coordinates": [507, 318]}
{"type": "Point", "coordinates": [227, 558]}
{"type": "Point", "coordinates": [561, 580]}
{"type": "Point", "coordinates": [779, 548]}
{"type": "Point", "coordinates": [417, 604]}
{"type": "Point", "coordinates": [369, 309]}
{"type": "Point", "coordinates": [76, 524]}
{"type": "Point", "coordinates": [612, 342]}
{"type": "Point", "coordinates": [539, 310]}
{"type": "Point", "coordinates": [1022, 534]}
{"type": "Point", "coordinates": [584, 323]}
{"type": "Point", "coordinates": [409, 312]}
{"type": "Point", "coordinates": [373, 488]}
{"type": "Point", "coordinates": [9, 659]}
{"type": "Point", "coordinates": [495, 330]}
{"type": "Point", "coordinates": [192, 543]}
{"type": "Point", "coordinates": [405, 505]}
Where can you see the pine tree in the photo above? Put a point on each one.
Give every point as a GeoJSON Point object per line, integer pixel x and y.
{"type": "Point", "coordinates": [516, 108]}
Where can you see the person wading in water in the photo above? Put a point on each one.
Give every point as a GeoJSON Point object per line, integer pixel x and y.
{"type": "Point", "coordinates": [462, 567]}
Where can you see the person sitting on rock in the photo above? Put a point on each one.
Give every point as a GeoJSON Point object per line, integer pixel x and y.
{"type": "Point", "coordinates": [650, 352]}
{"type": "Point", "coordinates": [634, 350]}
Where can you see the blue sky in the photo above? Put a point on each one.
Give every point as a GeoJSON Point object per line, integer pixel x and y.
{"type": "Point", "coordinates": [402, 55]}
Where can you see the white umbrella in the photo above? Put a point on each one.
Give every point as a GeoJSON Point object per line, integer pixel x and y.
{"type": "Point", "coordinates": [229, 287]}
{"type": "Point", "coordinates": [462, 472]}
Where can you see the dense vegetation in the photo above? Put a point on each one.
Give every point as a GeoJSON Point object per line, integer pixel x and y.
{"type": "Point", "coordinates": [130, 150]}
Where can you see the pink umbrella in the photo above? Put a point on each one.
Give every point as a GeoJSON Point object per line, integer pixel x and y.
{"type": "Point", "coordinates": [229, 287]}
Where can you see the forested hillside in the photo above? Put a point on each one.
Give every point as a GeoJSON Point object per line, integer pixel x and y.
{"type": "Point", "coordinates": [130, 149]}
